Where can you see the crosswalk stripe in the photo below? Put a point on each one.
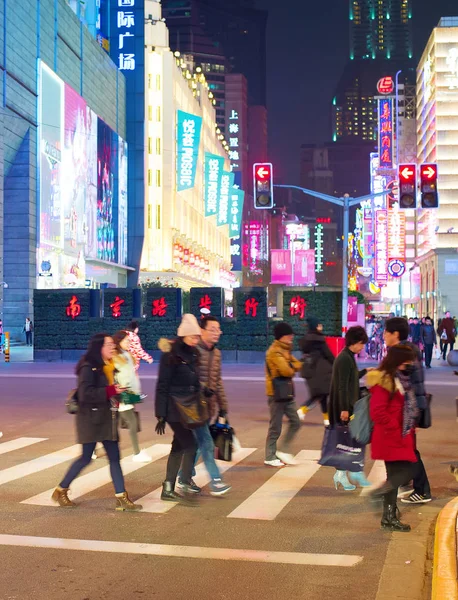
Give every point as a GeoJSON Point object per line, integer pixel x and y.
{"type": "Point", "coordinates": [39, 464]}
{"type": "Point", "coordinates": [96, 479]}
{"type": "Point", "coordinates": [272, 497]}
{"type": "Point", "coordinates": [152, 502]}
{"type": "Point", "coordinates": [261, 556]}
{"type": "Point", "coordinates": [19, 443]}
{"type": "Point", "coordinates": [377, 476]}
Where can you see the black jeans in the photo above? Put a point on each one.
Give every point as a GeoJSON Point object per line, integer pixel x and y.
{"type": "Point", "coordinates": [28, 338]}
{"type": "Point", "coordinates": [184, 448]}
{"type": "Point", "coordinates": [112, 450]}
{"type": "Point", "coordinates": [445, 348]}
{"type": "Point", "coordinates": [420, 478]}
{"type": "Point", "coordinates": [428, 354]}
{"type": "Point", "coordinates": [322, 399]}
{"type": "Point", "coordinates": [397, 473]}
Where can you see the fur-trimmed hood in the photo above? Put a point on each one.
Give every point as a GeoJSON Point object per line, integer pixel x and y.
{"type": "Point", "coordinates": [381, 378]}
{"type": "Point", "coordinates": [165, 345]}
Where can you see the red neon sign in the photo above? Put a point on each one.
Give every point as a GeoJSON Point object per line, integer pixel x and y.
{"type": "Point", "coordinates": [251, 307]}
{"type": "Point", "coordinates": [205, 304]}
{"type": "Point", "coordinates": [323, 219]}
{"type": "Point", "coordinates": [297, 307]}
{"type": "Point", "coordinates": [159, 307]}
{"type": "Point", "coordinates": [73, 309]}
{"type": "Point", "coordinates": [385, 85]}
{"type": "Point", "coordinates": [116, 307]}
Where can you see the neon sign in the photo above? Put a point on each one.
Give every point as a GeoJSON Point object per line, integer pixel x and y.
{"type": "Point", "coordinates": [214, 166]}
{"type": "Point", "coordinates": [385, 133]}
{"type": "Point", "coordinates": [126, 24]}
{"type": "Point", "coordinates": [251, 307]}
{"type": "Point", "coordinates": [73, 309]}
{"type": "Point", "coordinates": [205, 304]}
{"type": "Point", "coordinates": [116, 307]}
{"type": "Point", "coordinates": [189, 129]}
{"type": "Point", "coordinates": [319, 248]}
{"type": "Point", "coordinates": [381, 247]}
{"type": "Point", "coordinates": [397, 237]}
{"type": "Point", "coordinates": [297, 307]}
{"type": "Point", "coordinates": [385, 85]}
{"type": "Point", "coordinates": [159, 307]}
{"type": "Point", "coordinates": [227, 181]}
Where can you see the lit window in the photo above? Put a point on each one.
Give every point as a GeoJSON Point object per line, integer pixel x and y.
{"type": "Point", "coordinates": [150, 145]}
{"type": "Point", "coordinates": [150, 113]}
{"type": "Point", "coordinates": [158, 83]}
{"type": "Point", "coordinates": [158, 114]}
{"type": "Point", "coordinates": [158, 178]}
{"type": "Point", "coordinates": [150, 220]}
{"type": "Point", "coordinates": [158, 145]}
{"type": "Point", "coordinates": [158, 217]}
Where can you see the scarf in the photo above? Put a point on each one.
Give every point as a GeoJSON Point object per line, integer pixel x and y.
{"type": "Point", "coordinates": [410, 403]}
{"type": "Point", "coordinates": [109, 369]}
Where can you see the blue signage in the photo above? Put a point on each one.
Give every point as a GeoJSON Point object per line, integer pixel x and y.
{"type": "Point", "coordinates": [188, 139]}
{"type": "Point", "coordinates": [214, 166]}
{"type": "Point", "coordinates": [227, 181]}
{"type": "Point", "coordinates": [236, 254]}
{"type": "Point", "coordinates": [236, 201]}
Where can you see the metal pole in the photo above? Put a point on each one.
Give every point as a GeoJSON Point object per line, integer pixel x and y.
{"type": "Point", "coordinates": [346, 225]}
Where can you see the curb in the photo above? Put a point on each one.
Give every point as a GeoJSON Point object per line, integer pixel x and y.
{"type": "Point", "coordinates": [445, 554]}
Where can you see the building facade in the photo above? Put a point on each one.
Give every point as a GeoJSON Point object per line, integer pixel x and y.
{"type": "Point", "coordinates": [62, 157]}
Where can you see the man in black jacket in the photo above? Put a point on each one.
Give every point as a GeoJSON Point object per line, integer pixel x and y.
{"type": "Point", "coordinates": [397, 332]}
{"type": "Point", "coordinates": [429, 340]}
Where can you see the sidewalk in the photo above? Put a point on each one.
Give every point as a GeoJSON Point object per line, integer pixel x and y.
{"type": "Point", "coordinates": [19, 354]}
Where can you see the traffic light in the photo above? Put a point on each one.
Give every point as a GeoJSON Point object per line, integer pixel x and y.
{"type": "Point", "coordinates": [407, 186]}
{"type": "Point", "coordinates": [428, 186]}
{"type": "Point", "coordinates": [263, 185]}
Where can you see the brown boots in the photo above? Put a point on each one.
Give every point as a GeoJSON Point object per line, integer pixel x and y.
{"type": "Point", "coordinates": [60, 495]}
{"type": "Point", "coordinates": [124, 503]}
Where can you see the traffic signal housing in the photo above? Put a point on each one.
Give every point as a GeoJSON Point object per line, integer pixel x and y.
{"type": "Point", "coordinates": [428, 186]}
{"type": "Point", "coordinates": [263, 185]}
{"type": "Point", "coordinates": [407, 175]}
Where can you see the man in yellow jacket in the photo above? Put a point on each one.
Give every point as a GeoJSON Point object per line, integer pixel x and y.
{"type": "Point", "coordinates": [281, 363]}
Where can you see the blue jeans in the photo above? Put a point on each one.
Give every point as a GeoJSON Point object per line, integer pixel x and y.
{"type": "Point", "coordinates": [112, 450]}
{"type": "Point", "coordinates": [206, 448]}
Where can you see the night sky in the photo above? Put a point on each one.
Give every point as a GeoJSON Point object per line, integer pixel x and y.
{"type": "Point", "coordinates": [307, 49]}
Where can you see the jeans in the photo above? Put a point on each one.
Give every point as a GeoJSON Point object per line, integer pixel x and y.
{"type": "Point", "coordinates": [183, 452]}
{"type": "Point", "coordinates": [397, 473]}
{"type": "Point", "coordinates": [322, 399]}
{"type": "Point", "coordinates": [428, 354]}
{"type": "Point", "coordinates": [206, 448]}
{"type": "Point", "coordinates": [28, 338]}
{"type": "Point", "coordinates": [112, 450]}
{"type": "Point", "coordinates": [445, 348]}
{"type": "Point", "coordinates": [277, 410]}
{"type": "Point", "coordinates": [129, 417]}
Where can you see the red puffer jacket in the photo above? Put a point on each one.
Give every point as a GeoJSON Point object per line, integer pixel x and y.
{"type": "Point", "coordinates": [387, 412]}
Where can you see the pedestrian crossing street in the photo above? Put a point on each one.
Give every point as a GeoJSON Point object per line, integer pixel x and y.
{"type": "Point", "coordinates": [265, 504]}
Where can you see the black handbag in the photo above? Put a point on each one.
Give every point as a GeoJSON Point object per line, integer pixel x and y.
{"type": "Point", "coordinates": [222, 438]}
{"type": "Point", "coordinates": [283, 387]}
{"type": "Point", "coordinates": [71, 403]}
{"type": "Point", "coordinates": [425, 419]}
{"type": "Point", "coordinates": [192, 409]}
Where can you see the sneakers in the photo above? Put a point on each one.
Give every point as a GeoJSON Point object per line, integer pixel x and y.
{"type": "Point", "coordinates": [142, 457]}
{"type": "Point", "coordinates": [287, 459]}
{"type": "Point", "coordinates": [218, 488]}
{"type": "Point", "coordinates": [274, 463]}
{"type": "Point", "coordinates": [190, 487]}
{"type": "Point", "coordinates": [301, 412]}
{"type": "Point", "coordinates": [405, 491]}
{"type": "Point", "coordinates": [143, 396]}
{"type": "Point", "coordinates": [94, 456]}
{"type": "Point", "coordinates": [415, 498]}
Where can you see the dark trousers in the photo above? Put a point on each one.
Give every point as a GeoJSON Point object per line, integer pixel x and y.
{"type": "Point", "coordinates": [445, 348]}
{"type": "Point", "coordinates": [420, 478]}
{"type": "Point", "coordinates": [112, 450]}
{"type": "Point", "coordinates": [397, 473]}
{"type": "Point", "coordinates": [428, 354]}
{"type": "Point", "coordinates": [28, 338]}
{"type": "Point", "coordinates": [322, 399]}
{"type": "Point", "coordinates": [277, 410]}
{"type": "Point", "coordinates": [183, 453]}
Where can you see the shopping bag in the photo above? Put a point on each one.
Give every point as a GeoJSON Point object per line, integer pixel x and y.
{"type": "Point", "coordinates": [341, 451]}
{"type": "Point", "coordinates": [222, 434]}
{"type": "Point", "coordinates": [361, 423]}
{"type": "Point", "coordinates": [438, 354]}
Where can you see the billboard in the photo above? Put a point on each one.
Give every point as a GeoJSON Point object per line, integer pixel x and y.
{"type": "Point", "coordinates": [82, 186]}
{"type": "Point", "coordinates": [280, 264]}
{"type": "Point", "coordinates": [189, 128]}
{"type": "Point", "coordinates": [381, 247]}
{"type": "Point", "coordinates": [304, 267]}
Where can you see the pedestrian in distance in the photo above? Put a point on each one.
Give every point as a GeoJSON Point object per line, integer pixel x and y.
{"type": "Point", "coordinates": [135, 346]}
{"type": "Point", "coordinates": [178, 376]}
{"type": "Point", "coordinates": [317, 368]}
{"type": "Point", "coordinates": [97, 419]}
{"type": "Point", "coordinates": [428, 340]}
{"type": "Point", "coordinates": [280, 363]}
{"type": "Point", "coordinates": [1, 336]}
{"type": "Point", "coordinates": [415, 331]}
{"type": "Point", "coordinates": [28, 330]}
{"type": "Point", "coordinates": [447, 333]}
{"type": "Point", "coordinates": [127, 377]}
{"type": "Point", "coordinates": [396, 332]}
{"type": "Point", "coordinates": [393, 410]}
{"type": "Point", "coordinates": [212, 386]}
{"type": "Point", "coordinates": [344, 394]}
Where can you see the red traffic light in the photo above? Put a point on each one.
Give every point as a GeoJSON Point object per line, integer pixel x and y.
{"type": "Point", "coordinates": [263, 172]}
{"type": "Point", "coordinates": [428, 172]}
{"type": "Point", "coordinates": [263, 185]}
{"type": "Point", "coordinates": [407, 173]}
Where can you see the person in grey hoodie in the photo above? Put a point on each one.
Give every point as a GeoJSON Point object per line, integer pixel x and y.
{"type": "Point", "coordinates": [429, 340]}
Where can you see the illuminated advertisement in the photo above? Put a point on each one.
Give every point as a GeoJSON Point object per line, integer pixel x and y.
{"type": "Point", "coordinates": [227, 181]}
{"type": "Point", "coordinates": [385, 133]}
{"type": "Point", "coordinates": [397, 235]}
{"type": "Point", "coordinates": [189, 128]}
{"type": "Point", "coordinates": [237, 199]}
{"type": "Point", "coordinates": [214, 166]}
{"type": "Point", "coordinates": [381, 247]}
{"type": "Point", "coordinates": [304, 267]}
{"type": "Point", "coordinates": [82, 187]}
{"type": "Point", "coordinates": [281, 269]}
{"type": "Point", "coordinates": [319, 248]}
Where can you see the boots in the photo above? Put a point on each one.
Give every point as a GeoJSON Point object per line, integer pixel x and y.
{"type": "Point", "coordinates": [169, 495]}
{"type": "Point", "coordinates": [340, 478]}
{"type": "Point", "coordinates": [390, 519]}
{"type": "Point", "coordinates": [360, 479]}
{"type": "Point", "coordinates": [60, 495]}
{"type": "Point", "coordinates": [123, 502]}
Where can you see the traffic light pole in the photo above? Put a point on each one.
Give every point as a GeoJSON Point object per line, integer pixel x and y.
{"type": "Point", "coordinates": [345, 203]}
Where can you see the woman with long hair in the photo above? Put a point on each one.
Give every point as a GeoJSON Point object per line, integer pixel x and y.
{"type": "Point", "coordinates": [97, 419]}
{"type": "Point", "coordinates": [127, 377]}
{"type": "Point", "coordinates": [393, 410]}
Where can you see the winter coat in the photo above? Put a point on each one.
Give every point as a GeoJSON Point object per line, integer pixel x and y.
{"type": "Point", "coordinates": [314, 345]}
{"type": "Point", "coordinates": [95, 421]}
{"type": "Point", "coordinates": [417, 378]}
{"type": "Point", "coordinates": [281, 363]}
{"type": "Point", "coordinates": [210, 376]}
{"type": "Point", "coordinates": [415, 332]}
{"type": "Point", "coordinates": [428, 335]}
{"type": "Point", "coordinates": [448, 325]}
{"type": "Point", "coordinates": [178, 375]}
{"type": "Point", "coordinates": [344, 385]}
{"type": "Point", "coordinates": [387, 414]}
{"type": "Point", "coordinates": [136, 350]}
{"type": "Point", "coordinates": [24, 330]}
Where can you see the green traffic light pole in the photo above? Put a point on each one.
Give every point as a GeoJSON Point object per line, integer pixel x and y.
{"type": "Point", "coordinates": [345, 203]}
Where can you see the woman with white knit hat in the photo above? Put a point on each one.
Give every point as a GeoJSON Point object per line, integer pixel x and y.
{"type": "Point", "coordinates": [178, 375]}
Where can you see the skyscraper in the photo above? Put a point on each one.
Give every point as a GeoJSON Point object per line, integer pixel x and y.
{"type": "Point", "coordinates": [381, 29]}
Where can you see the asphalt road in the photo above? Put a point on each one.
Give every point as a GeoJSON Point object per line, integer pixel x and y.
{"type": "Point", "coordinates": [304, 548]}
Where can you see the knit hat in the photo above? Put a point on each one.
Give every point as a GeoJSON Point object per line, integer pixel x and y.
{"type": "Point", "coordinates": [312, 323]}
{"type": "Point", "coordinates": [189, 326]}
{"type": "Point", "coordinates": [282, 329]}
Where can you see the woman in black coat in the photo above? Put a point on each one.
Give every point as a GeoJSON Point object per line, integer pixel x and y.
{"type": "Point", "coordinates": [178, 376]}
{"type": "Point", "coordinates": [96, 419]}
{"type": "Point", "coordinates": [317, 370]}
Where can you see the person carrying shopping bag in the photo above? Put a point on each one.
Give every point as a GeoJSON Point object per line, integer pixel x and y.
{"type": "Point", "coordinates": [127, 377]}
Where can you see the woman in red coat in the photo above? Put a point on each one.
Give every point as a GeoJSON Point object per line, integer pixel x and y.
{"type": "Point", "coordinates": [393, 410]}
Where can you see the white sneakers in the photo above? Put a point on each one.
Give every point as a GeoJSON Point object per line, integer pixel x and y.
{"type": "Point", "coordinates": [287, 459]}
{"type": "Point", "coordinates": [142, 457]}
{"type": "Point", "coordinates": [274, 463]}
{"type": "Point", "coordinates": [301, 414]}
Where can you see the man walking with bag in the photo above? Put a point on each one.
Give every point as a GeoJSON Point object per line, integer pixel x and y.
{"type": "Point", "coordinates": [281, 366]}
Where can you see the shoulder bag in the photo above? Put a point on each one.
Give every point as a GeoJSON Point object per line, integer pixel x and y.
{"type": "Point", "coordinates": [283, 387]}
{"type": "Point", "coordinates": [71, 403]}
{"type": "Point", "coordinates": [192, 406]}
